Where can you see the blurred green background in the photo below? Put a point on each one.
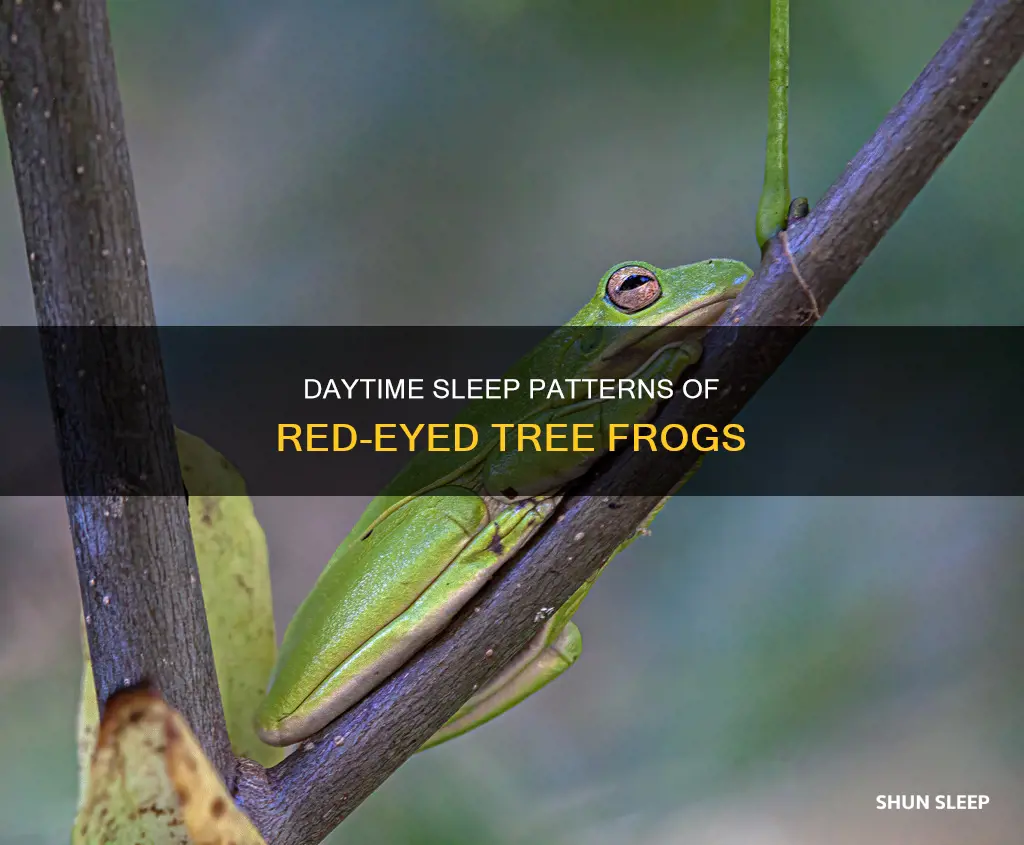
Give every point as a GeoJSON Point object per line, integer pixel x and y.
{"type": "Point", "coordinates": [757, 670]}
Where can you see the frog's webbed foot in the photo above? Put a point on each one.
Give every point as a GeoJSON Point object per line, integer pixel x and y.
{"type": "Point", "coordinates": [545, 657]}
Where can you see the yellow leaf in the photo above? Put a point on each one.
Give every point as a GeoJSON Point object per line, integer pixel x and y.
{"type": "Point", "coordinates": [231, 551]}
{"type": "Point", "coordinates": [151, 784]}
{"type": "Point", "coordinates": [88, 722]}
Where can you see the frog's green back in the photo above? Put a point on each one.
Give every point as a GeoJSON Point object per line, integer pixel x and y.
{"type": "Point", "coordinates": [569, 351]}
{"type": "Point", "coordinates": [425, 469]}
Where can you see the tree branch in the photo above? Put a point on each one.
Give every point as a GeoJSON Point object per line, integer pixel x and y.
{"type": "Point", "coordinates": [136, 563]}
{"type": "Point", "coordinates": [302, 799]}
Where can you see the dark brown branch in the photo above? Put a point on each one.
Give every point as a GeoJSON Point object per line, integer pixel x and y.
{"type": "Point", "coordinates": [299, 801]}
{"type": "Point", "coordinates": [136, 562]}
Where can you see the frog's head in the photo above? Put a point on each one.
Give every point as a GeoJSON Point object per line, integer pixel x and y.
{"type": "Point", "coordinates": [655, 308]}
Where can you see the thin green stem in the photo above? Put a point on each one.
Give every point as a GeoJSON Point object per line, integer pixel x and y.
{"type": "Point", "coordinates": [774, 204]}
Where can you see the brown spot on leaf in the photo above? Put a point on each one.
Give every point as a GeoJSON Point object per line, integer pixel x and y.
{"type": "Point", "coordinates": [218, 807]}
{"type": "Point", "coordinates": [210, 507]}
{"type": "Point", "coordinates": [242, 583]}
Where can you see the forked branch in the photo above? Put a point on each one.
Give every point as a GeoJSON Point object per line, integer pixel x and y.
{"type": "Point", "coordinates": [84, 246]}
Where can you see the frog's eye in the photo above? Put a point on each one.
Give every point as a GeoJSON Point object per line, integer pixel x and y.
{"type": "Point", "coordinates": [633, 288]}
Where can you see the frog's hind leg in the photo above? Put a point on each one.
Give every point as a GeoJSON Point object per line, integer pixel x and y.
{"type": "Point", "coordinates": [551, 651]}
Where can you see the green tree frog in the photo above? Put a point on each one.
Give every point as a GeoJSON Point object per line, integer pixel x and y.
{"type": "Point", "coordinates": [413, 561]}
